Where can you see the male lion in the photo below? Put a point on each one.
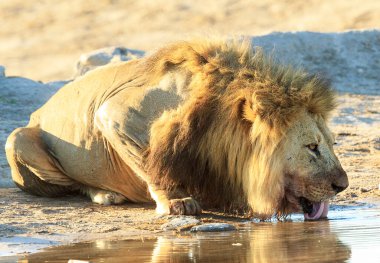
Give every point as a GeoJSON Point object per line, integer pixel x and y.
{"type": "Point", "coordinates": [202, 122]}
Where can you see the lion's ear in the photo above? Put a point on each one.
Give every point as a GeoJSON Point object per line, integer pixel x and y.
{"type": "Point", "coordinates": [251, 111]}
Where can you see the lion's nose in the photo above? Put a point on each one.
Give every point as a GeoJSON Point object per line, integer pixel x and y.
{"type": "Point", "coordinates": [340, 182]}
{"type": "Point", "coordinates": [338, 188]}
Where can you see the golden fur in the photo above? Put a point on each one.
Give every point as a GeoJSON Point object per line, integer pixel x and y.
{"type": "Point", "coordinates": [224, 143]}
{"type": "Point", "coordinates": [214, 120]}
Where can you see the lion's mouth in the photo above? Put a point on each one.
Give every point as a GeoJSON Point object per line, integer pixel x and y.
{"type": "Point", "coordinates": [314, 210]}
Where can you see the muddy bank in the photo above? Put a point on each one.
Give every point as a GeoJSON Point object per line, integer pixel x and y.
{"type": "Point", "coordinates": [30, 223]}
{"type": "Point", "coordinates": [351, 235]}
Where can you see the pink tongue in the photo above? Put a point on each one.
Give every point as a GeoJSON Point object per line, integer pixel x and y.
{"type": "Point", "coordinates": [320, 210]}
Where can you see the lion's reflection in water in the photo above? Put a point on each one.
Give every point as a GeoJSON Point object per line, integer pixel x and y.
{"type": "Point", "coordinates": [266, 242]}
{"type": "Point", "coordinates": [260, 242]}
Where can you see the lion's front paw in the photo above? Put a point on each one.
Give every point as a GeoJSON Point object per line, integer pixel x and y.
{"type": "Point", "coordinates": [185, 206]}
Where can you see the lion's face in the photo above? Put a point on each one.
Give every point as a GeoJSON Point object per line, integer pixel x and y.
{"type": "Point", "coordinates": [313, 174]}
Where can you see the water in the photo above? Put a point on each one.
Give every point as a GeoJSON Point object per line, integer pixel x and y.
{"type": "Point", "coordinates": [348, 236]}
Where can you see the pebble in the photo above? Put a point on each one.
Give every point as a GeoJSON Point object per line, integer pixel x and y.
{"type": "Point", "coordinates": [213, 227]}
{"type": "Point", "coordinates": [2, 71]}
{"type": "Point", "coordinates": [364, 190]}
{"type": "Point", "coordinates": [105, 56]}
{"type": "Point", "coordinates": [180, 222]}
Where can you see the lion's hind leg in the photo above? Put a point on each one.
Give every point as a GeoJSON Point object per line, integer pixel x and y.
{"type": "Point", "coordinates": [33, 168]}
{"type": "Point", "coordinates": [103, 197]}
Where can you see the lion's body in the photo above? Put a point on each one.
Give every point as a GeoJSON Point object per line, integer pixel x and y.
{"type": "Point", "coordinates": [70, 131]}
{"type": "Point", "coordinates": [72, 136]}
{"type": "Point", "coordinates": [201, 119]}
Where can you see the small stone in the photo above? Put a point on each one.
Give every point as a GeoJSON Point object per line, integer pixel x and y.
{"type": "Point", "coordinates": [180, 223]}
{"type": "Point", "coordinates": [2, 72]}
{"type": "Point", "coordinates": [213, 227]}
{"type": "Point", "coordinates": [364, 190]}
{"type": "Point", "coordinates": [110, 229]}
{"type": "Point", "coordinates": [354, 195]}
{"type": "Point", "coordinates": [376, 143]}
{"type": "Point", "coordinates": [105, 56]}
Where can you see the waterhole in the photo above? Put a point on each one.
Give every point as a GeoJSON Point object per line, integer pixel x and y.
{"type": "Point", "coordinates": [349, 235]}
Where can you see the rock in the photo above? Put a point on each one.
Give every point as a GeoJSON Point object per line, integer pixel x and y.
{"type": "Point", "coordinates": [5, 228]}
{"type": "Point", "coordinates": [180, 223]}
{"type": "Point", "coordinates": [350, 59]}
{"type": "Point", "coordinates": [19, 97]}
{"type": "Point", "coordinates": [364, 190]}
{"type": "Point", "coordinates": [2, 72]}
{"type": "Point", "coordinates": [104, 56]}
{"type": "Point", "coordinates": [376, 143]}
{"type": "Point", "coordinates": [56, 85]}
{"type": "Point", "coordinates": [213, 227]}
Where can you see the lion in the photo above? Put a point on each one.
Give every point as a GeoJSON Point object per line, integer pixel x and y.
{"type": "Point", "coordinates": [202, 123]}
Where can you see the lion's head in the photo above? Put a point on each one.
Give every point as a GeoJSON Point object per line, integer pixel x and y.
{"type": "Point", "coordinates": [249, 134]}
{"type": "Point", "coordinates": [293, 165]}
{"type": "Point", "coordinates": [312, 172]}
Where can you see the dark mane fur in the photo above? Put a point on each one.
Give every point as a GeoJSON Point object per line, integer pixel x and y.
{"type": "Point", "coordinates": [204, 145]}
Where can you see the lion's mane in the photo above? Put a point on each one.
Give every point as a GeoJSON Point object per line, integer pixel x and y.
{"type": "Point", "coordinates": [224, 143]}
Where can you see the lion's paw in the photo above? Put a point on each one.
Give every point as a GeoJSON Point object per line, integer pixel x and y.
{"type": "Point", "coordinates": [185, 206]}
{"type": "Point", "coordinates": [107, 198]}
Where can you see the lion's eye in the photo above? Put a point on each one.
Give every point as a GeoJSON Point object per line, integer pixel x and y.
{"type": "Point", "coordinates": [313, 147]}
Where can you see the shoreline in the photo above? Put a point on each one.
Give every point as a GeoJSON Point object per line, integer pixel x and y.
{"type": "Point", "coordinates": [30, 224]}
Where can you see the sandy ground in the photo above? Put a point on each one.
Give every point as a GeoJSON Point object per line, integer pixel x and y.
{"type": "Point", "coordinates": [29, 223]}
{"type": "Point", "coordinates": [40, 39]}
{"type": "Point", "coordinates": [356, 125]}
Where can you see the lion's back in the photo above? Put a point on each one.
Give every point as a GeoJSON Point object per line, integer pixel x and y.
{"type": "Point", "coordinates": [67, 124]}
